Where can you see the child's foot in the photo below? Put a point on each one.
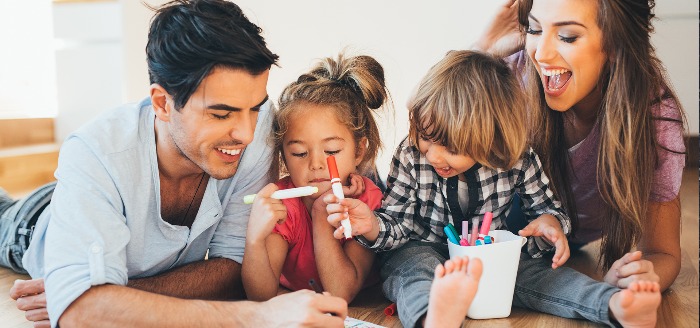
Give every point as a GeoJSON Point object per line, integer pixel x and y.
{"type": "Point", "coordinates": [452, 292]}
{"type": "Point", "coordinates": [636, 306]}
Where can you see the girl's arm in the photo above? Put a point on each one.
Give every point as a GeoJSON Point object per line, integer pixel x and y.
{"type": "Point", "coordinates": [262, 267]}
{"type": "Point", "coordinates": [342, 269]}
{"type": "Point", "coordinates": [265, 251]}
{"type": "Point", "coordinates": [660, 256]}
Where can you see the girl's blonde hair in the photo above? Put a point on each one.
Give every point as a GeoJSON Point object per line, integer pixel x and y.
{"type": "Point", "coordinates": [471, 103]}
{"type": "Point", "coordinates": [355, 90]}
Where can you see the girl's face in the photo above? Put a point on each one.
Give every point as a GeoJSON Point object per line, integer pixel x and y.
{"type": "Point", "coordinates": [565, 44]}
{"type": "Point", "coordinates": [445, 162]}
{"type": "Point", "coordinates": [313, 134]}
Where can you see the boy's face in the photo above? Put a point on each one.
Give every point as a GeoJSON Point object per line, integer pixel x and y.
{"type": "Point", "coordinates": [445, 162]}
{"type": "Point", "coordinates": [313, 134]}
{"type": "Point", "coordinates": [218, 121]}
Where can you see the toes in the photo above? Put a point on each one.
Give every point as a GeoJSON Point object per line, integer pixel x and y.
{"type": "Point", "coordinates": [439, 271]}
{"type": "Point", "coordinates": [475, 269]}
{"type": "Point", "coordinates": [450, 265]}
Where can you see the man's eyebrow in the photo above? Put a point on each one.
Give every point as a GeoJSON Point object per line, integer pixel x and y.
{"type": "Point", "coordinates": [564, 23]}
{"type": "Point", "coordinates": [236, 109]}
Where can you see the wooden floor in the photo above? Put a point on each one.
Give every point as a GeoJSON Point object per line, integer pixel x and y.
{"type": "Point", "coordinates": [679, 307]}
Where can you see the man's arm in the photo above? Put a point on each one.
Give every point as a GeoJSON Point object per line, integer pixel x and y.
{"type": "Point", "coordinates": [213, 279]}
{"type": "Point", "coordinates": [118, 306]}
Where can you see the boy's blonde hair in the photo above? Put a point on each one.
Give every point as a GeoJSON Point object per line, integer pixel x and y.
{"type": "Point", "coordinates": [353, 87]}
{"type": "Point", "coordinates": [471, 103]}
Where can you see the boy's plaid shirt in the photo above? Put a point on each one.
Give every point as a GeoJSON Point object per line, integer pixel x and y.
{"type": "Point", "coordinates": [418, 203]}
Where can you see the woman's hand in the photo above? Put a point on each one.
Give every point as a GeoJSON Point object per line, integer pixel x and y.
{"type": "Point", "coordinates": [631, 267]}
{"type": "Point", "coordinates": [502, 36]}
{"type": "Point", "coordinates": [548, 226]}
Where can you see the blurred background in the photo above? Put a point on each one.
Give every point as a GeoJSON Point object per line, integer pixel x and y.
{"type": "Point", "coordinates": [63, 62]}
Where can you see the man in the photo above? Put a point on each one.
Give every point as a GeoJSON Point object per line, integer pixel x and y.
{"type": "Point", "coordinates": [145, 191]}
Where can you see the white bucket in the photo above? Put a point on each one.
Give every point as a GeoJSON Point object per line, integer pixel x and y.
{"type": "Point", "coordinates": [494, 298]}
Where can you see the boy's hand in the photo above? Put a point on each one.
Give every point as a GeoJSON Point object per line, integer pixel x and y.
{"type": "Point", "coordinates": [631, 267]}
{"type": "Point", "coordinates": [266, 212]}
{"type": "Point", "coordinates": [356, 187]}
{"type": "Point", "coordinates": [362, 218]}
{"type": "Point", "coordinates": [548, 226]}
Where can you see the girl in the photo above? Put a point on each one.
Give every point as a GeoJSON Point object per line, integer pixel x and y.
{"type": "Point", "coordinates": [466, 155]}
{"type": "Point", "coordinates": [327, 111]}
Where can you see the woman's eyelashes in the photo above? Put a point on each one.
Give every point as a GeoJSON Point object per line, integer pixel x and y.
{"type": "Point", "coordinates": [565, 38]}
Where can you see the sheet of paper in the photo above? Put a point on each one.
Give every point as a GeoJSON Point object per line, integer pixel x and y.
{"type": "Point", "coordinates": [356, 323]}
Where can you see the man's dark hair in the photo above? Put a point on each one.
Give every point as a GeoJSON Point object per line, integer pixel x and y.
{"type": "Point", "coordinates": [188, 38]}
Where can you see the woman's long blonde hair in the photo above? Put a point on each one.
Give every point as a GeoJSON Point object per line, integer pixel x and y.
{"type": "Point", "coordinates": [633, 82]}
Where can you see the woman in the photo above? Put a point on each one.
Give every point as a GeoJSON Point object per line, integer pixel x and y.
{"type": "Point", "coordinates": [606, 124]}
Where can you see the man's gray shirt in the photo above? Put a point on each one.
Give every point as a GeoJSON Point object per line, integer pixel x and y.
{"type": "Point", "coordinates": [104, 224]}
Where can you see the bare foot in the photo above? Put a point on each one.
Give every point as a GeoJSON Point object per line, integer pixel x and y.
{"type": "Point", "coordinates": [636, 306]}
{"type": "Point", "coordinates": [452, 292]}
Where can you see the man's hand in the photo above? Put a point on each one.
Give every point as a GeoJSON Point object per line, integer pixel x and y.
{"type": "Point", "coordinates": [304, 308]}
{"type": "Point", "coordinates": [31, 298]}
{"type": "Point", "coordinates": [631, 267]}
{"type": "Point", "coordinates": [266, 212]}
{"type": "Point", "coordinates": [548, 226]}
{"type": "Point", "coordinates": [362, 219]}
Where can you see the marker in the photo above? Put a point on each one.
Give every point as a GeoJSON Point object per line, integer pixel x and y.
{"type": "Point", "coordinates": [487, 240]}
{"type": "Point", "coordinates": [451, 236]}
{"type": "Point", "coordinates": [315, 287]}
{"type": "Point", "coordinates": [337, 187]}
{"type": "Point", "coordinates": [285, 193]}
{"type": "Point", "coordinates": [390, 310]}
{"type": "Point", "coordinates": [486, 224]}
{"type": "Point", "coordinates": [465, 228]}
{"type": "Point", "coordinates": [475, 231]}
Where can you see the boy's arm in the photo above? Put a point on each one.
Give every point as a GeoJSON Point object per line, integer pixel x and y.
{"type": "Point", "coordinates": [538, 199]}
{"type": "Point", "coordinates": [396, 217]}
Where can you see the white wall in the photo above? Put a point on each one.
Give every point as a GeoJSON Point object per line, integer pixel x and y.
{"type": "Point", "coordinates": [406, 37]}
{"type": "Point", "coordinates": [27, 70]}
{"type": "Point", "coordinates": [89, 62]}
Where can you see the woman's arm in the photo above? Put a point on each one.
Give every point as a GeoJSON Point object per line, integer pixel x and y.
{"type": "Point", "coordinates": [262, 267]}
{"type": "Point", "coordinates": [342, 269]}
{"type": "Point", "coordinates": [660, 256]}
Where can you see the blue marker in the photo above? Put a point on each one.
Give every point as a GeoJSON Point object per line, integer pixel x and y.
{"type": "Point", "coordinates": [487, 240]}
{"type": "Point", "coordinates": [451, 236]}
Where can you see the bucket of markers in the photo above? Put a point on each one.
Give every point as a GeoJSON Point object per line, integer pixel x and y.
{"type": "Point", "coordinates": [500, 259]}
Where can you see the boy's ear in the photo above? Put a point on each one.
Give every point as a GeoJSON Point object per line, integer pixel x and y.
{"type": "Point", "coordinates": [161, 101]}
{"type": "Point", "coordinates": [360, 151]}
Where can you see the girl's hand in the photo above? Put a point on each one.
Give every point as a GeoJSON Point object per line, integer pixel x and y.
{"type": "Point", "coordinates": [356, 187]}
{"type": "Point", "coordinates": [548, 226]}
{"type": "Point", "coordinates": [266, 212]}
{"type": "Point", "coordinates": [631, 267]}
{"type": "Point", "coordinates": [362, 218]}
{"type": "Point", "coordinates": [502, 36]}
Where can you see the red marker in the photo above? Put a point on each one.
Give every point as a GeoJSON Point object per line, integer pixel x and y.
{"type": "Point", "coordinates": [486, 224]}
{"type": "Point", "coordinates": [337, 187]}
{"type": "Point", "coordinates": [390, 310]}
